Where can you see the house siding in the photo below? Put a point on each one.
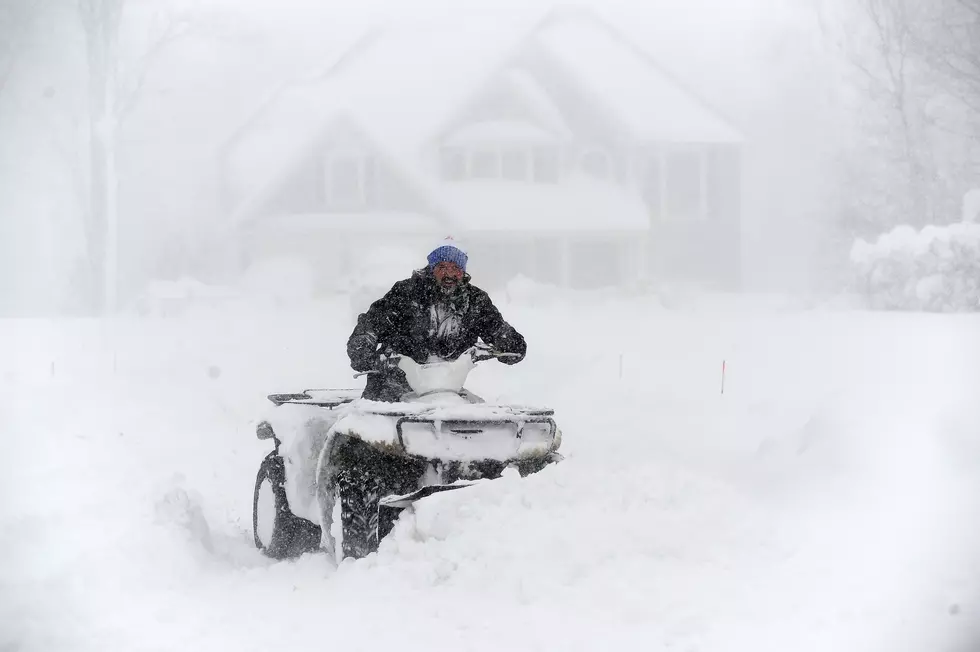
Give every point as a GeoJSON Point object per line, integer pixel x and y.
{"type": "Point", "coordinates": [705, 250]}
{"type": "Point", "coordinates": [701, 248]}
{"type": "Point", "coordinates": [499, 102]}
{"type": "Point", "coordinates": [304, 190]}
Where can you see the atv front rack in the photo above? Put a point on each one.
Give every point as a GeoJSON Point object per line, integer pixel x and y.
{"type": "Point", "coordinates": [474, 426]}
{"type": "Point", "coordinates": [329, 398]}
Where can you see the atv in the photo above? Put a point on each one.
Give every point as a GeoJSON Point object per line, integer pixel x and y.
{"type": "Point", "coordinates": [370, 460]}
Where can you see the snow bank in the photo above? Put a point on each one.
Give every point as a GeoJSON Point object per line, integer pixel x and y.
{"type": "Point", "coordinates": [827, 500]}
{"type": "Point", "coordinates": [270, 284]}
{"type": "Point", "coordinates": [936, 269]}
{"type": "Point", "coordinates": [522, 290]}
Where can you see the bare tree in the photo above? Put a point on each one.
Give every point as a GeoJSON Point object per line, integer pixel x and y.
{"type": "Point", "coordinates": [891, 71]}
{"type": "Point", "coordinates": [111, 98]}
{"type": "Point", "coordinates": [949, 41]}
{"type": "Point", "coordinates": [16, 17]}
{"type": "Point", "coordinates": [100, 20]}
{"type": "Point", "coordinates": [892, 171]}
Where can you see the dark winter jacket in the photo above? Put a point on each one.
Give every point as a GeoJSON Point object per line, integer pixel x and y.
{"type": "Point", "coordinates": [415, 318]}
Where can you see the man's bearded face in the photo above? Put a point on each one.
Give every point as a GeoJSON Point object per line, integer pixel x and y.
{"type": "Point", "coordinates": [448, 276]}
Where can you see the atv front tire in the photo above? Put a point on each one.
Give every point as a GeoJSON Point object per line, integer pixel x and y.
{"type": "Point", "coordinates": [364, 477]}
{"type": "Point", "coordinates": [278, 532]}
{"type": "Point", "coordinates": [360, 494]}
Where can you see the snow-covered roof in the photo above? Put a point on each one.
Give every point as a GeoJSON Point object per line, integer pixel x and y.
{"type": "Point", "coordinates": [577, 204]}
{"type": "Point", "coordinates": [400, 86]}
{"type": "Point", "coordinates": [501, 133]}
{"type": "Point", "coordinates": [540, 102]}
{"type": "Point", "coordinates": [363, 222]}
{"type": "Point", "coordinates": [406, 85]}
{"type": "Point", "coordinates": [645, 98]}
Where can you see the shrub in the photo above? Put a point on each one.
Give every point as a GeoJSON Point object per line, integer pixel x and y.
{"type": "Point", "coordinates": [936, 269]}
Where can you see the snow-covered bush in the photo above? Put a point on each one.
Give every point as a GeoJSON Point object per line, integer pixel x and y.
{"type": "Point", "coordinates": [971, 206]}
{"type": "Point", "coordinates": [936, 269]}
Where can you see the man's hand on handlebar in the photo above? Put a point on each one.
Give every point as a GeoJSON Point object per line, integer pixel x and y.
{"type": "Point", "coordinates": [482, 352]}
{"type": "Point", "coordinates": [387, 361]}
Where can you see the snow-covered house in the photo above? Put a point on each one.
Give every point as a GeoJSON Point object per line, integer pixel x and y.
{"type": "Point", "coordinates": [556, 149]}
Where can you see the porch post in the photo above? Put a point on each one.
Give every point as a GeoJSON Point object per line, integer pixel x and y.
{"type": "Point", "coordinates": [664, 183]}
{"type": "Point", "coordinates": [565, 262]}
{"type": "Point", "coordinates": [534, 258]}
{"type": "Point", "coordinates": [703, 198]}
{"type": "Point", "coordinates": [628, 266]}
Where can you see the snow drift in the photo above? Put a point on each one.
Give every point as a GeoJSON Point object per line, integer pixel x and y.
{"type": "Point", "coordinates": [826, 501]}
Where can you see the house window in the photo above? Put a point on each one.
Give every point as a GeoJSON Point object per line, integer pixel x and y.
{"type": "Point", "coordinates": [547, 165]}
{"type": "Point", "coordinates": [349, 180]}
{"type": "Point", "coordinates": [685, 197]}
{"type": "Point", "coordinates": [539, 165]}
{"type": "Point", "coordinates": [596, 163]}
{"type": "Point", "coordinates": [484, 164]}
{"type": "Point", "coordinates": [514, 165]}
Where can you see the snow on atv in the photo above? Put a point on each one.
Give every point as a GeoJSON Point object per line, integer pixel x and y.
{"type": "Point", "coordinates": [369, 460]}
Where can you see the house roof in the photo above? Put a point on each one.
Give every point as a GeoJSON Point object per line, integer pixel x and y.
{"type": "Point", "coordinates": [398, 85]}
{"type": "Point", "coordinates": [500, 132]}
{"type": "Point", "coordinates": [371, 222]}
{"type": "Point", "coordinates": [401, 85]}
{"type": "Point", "coordinates": [406, 85]}
{"type": "Point", "coordinates": [651, 103]}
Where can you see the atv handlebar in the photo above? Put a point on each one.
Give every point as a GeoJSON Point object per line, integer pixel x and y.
{"type": "Point", "coordinates": [482, 352]}
{"type": "Point", "coordinates": [478, 353]}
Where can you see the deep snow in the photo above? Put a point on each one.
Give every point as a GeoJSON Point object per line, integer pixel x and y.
{"type": "Point", "coordinates": [827, 500]}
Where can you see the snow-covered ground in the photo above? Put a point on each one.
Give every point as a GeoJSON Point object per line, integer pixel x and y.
{"type": "Point", "coordinates": [828, 500]}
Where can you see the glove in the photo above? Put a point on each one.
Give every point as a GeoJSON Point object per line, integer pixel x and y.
{"type": "Point", "coordinates": [387, 361]}
{"type": "Point", "coordinates": [506, 340]}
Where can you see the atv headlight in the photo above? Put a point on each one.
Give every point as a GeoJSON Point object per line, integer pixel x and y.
{"type": "Point", "coordinates": [537, 432]}
{"type": "Point", "coordinates": [537, 437]}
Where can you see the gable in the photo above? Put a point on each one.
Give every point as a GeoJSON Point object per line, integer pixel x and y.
{"type": "Point", "coordinates": [650, 103]}
{"type": "Point", "coordinates": [455, 79]}
{"type": "Point", "coordinates": [342, 172]}
{"type": "Point", "coordinates": [511, 97]}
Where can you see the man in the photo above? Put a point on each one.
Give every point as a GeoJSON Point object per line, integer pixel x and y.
{"type": "Point", "coordinates": [435, 312]}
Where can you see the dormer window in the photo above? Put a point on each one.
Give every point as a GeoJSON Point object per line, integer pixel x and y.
{"type": "Point", "coordinates": [484, 164]}
{"type": "Point", "coordinates": [509, 151]}
{"type": "Point", "coordinates": [547, 164]}
{"type": "Point", "coordinates": [510, 163]}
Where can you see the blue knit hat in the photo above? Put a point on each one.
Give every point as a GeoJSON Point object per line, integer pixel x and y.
{"type": "Point", "coordinates": [448, 252]}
